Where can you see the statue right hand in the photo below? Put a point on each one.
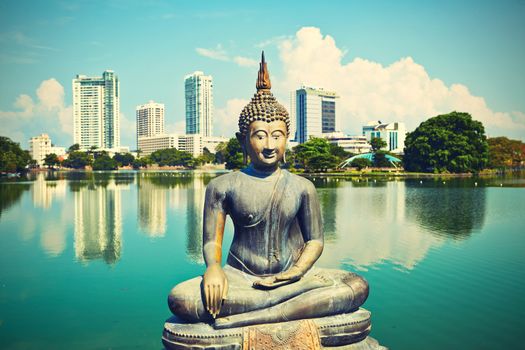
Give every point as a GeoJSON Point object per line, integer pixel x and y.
{"type": "Point", "coordinates": [215, 286]}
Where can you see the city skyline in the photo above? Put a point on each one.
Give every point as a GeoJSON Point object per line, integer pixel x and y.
{"type": "Point", "coordinates": [391, 62]}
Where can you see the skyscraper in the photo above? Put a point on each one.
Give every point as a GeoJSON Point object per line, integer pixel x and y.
{"type": "Point", "coordinates": [293, 117]}
{"type": "Point", "coordinates": [316, 113]}
{"type": "Point", "coordinates": [199, 103]}
{"type": "Point", "coordinates": [150, 120]}
{"type": "Point", "coordinates": [96, 111]}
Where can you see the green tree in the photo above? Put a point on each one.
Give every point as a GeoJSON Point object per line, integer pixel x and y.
{"type": "Point", "coordinates": [220, 153]}
{"type": "Point", "coordinates": [172, 157]}
{"type": "Point", "coordinates": [123, 159]}
{"type": "Point", "coordinates": [339, 152]}
{"type": "Point", "coordinates": [322, 162]}
{"type": "Point", "coordinates": [505, 153]}
{"type": "Point", "coordinates": [377, 143]}
{"type": "Point", "coordinates": [78, 160]}
{"type": "Point", "coordinates": [233, 154]}
{"type": "Point", "coordinates": [73, 147]}
{"type": "Point", "coordinates": [315, 155]}
{"type": "Point", "coordinates": [380, 160]}
{"type": "Point", "coordinates": [447, 143]}
{"type": "Point", "coordinates": [51, 160]}
{"type": "Point", "coordinates": [12, 157]}
{"type": "Point", "coordinates": [206, 157]}
{"type": "Point", "coordinates": [104, 162]}
{"type": "Point", "coordinates": [361, 163]}
{"type": "Point", "coordinates": [142, 162]}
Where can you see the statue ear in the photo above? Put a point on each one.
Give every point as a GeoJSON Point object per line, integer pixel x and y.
{"type": "Point", "coordinates": [242, 140]}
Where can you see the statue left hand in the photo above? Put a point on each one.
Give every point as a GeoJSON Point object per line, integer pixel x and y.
{"type": "Point", "coordinates": [291, 275]}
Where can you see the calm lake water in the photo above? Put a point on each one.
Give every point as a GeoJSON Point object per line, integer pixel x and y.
{"type": "Point", "coordinates": [87, 260]}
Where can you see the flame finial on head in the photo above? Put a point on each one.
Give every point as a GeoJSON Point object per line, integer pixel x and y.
{"type": "Point", "coordinates": [263, 105]}
{"type": "Point", "coordinates": [263, 77]}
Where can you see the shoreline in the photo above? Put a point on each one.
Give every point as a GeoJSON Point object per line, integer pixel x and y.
{"type": "Point", "coordinates": [340, 174]}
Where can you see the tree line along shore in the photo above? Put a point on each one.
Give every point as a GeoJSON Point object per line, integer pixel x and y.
{"type": "Point", "coordinates": [452, 144]}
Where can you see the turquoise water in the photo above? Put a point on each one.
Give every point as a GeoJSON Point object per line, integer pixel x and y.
{"type": "Point", "coordinates": [87, 260]}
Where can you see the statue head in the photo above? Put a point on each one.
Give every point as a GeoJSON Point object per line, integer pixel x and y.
{"type": "Point", "coordinates": [264, 125]}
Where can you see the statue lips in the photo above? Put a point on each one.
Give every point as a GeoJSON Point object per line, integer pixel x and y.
{"type": "Point", "coordinates": [269, 153]}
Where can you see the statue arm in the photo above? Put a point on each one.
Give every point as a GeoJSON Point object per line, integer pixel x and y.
{"type": "Point", "coordinates": [215, 283]}
{"type": "Point", "coordinates": [311, 224]}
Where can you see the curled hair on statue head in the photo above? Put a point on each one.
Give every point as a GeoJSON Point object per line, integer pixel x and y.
{"type": "Point", "coordinates": [263, 105]}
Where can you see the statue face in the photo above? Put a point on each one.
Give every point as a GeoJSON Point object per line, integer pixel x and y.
{"type": "Point", "coordinates": [266, 143]}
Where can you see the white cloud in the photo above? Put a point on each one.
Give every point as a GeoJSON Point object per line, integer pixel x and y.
{"type": "Point", "coordinates": [221, 55]}
{"type": "Point", "coordinates": [49, 114]}
{"type": "Point", "coordinates": [272, 41]}
{"type": "Point", "coordinates": [226, 118]}
{"type": "Point", "coordinates": [245, 61]}
{"type": "Point", "coordinates": [401, 91]}
{"type": "Point", "coordinates": [216, 54]}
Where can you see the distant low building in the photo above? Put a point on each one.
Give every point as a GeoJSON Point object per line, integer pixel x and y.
{"type": "Point", "coordinates": [40, 146]}
{"type": "Point", "coordinates": [150, 119]}
{"type": "Point", "coordinates": [392, 133]}
{"type": "Point", "coordinates": [191, 143]}
{"type": "Point", "coordinates": [353, 144]}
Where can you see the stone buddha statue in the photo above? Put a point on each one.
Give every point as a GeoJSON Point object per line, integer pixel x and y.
{"type": "Point", "coordinates": [278, 236]}
{"type": "Point", "coordinates": [269, 275]}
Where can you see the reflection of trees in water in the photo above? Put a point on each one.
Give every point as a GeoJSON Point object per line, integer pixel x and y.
{"type": "Point", "coordinates": [176, 179]}
{"type": "Point", "coordinates": [79, 180]}
{"type": "Point", "coordinates": [10, 193]}
{"type": "Point", "coordinates": [454, 210]}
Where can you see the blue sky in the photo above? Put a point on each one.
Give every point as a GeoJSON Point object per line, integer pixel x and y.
{"type": "Point", "coordinates": [403, 60]}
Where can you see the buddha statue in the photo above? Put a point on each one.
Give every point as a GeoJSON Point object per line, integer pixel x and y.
{"type": "Point", "coordinates": [269, 275]}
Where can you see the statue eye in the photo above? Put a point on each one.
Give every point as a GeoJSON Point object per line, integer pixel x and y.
{"type": "Point", "coordinates": [260, 135]}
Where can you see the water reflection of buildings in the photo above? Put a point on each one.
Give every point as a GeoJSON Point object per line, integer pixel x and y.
{"type": "Point", "coordinates": [194, 212]}
{"type": "Point", "coordinates": [186, 193]}
{"type": "Point", "coordinates": [98, 221]}
{"type": "Point", "coordinates": [152, 208]}
{"type": "Point", "coordinates": [44, 192]}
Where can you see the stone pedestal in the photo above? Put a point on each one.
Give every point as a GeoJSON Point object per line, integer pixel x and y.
{"type": "Point", "coordinates": [344, 332]}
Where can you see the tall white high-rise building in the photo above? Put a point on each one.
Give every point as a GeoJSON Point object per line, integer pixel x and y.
{"type": "Point", "coordinates": [96, 111]}
{"type": "Point", "coordinates": [150, 120]}
{"type": "Point", "coordinates": [315, 113]}
{"type": "Point", "coordinates": [199, 103]}
{"type": "Point", "coordinates": [293, 116]}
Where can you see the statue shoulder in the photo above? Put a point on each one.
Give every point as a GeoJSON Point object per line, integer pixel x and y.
{"type": "Point", "coordinates": [303, 184]}
{"type": "Point", "coordinates": [222, 183]}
